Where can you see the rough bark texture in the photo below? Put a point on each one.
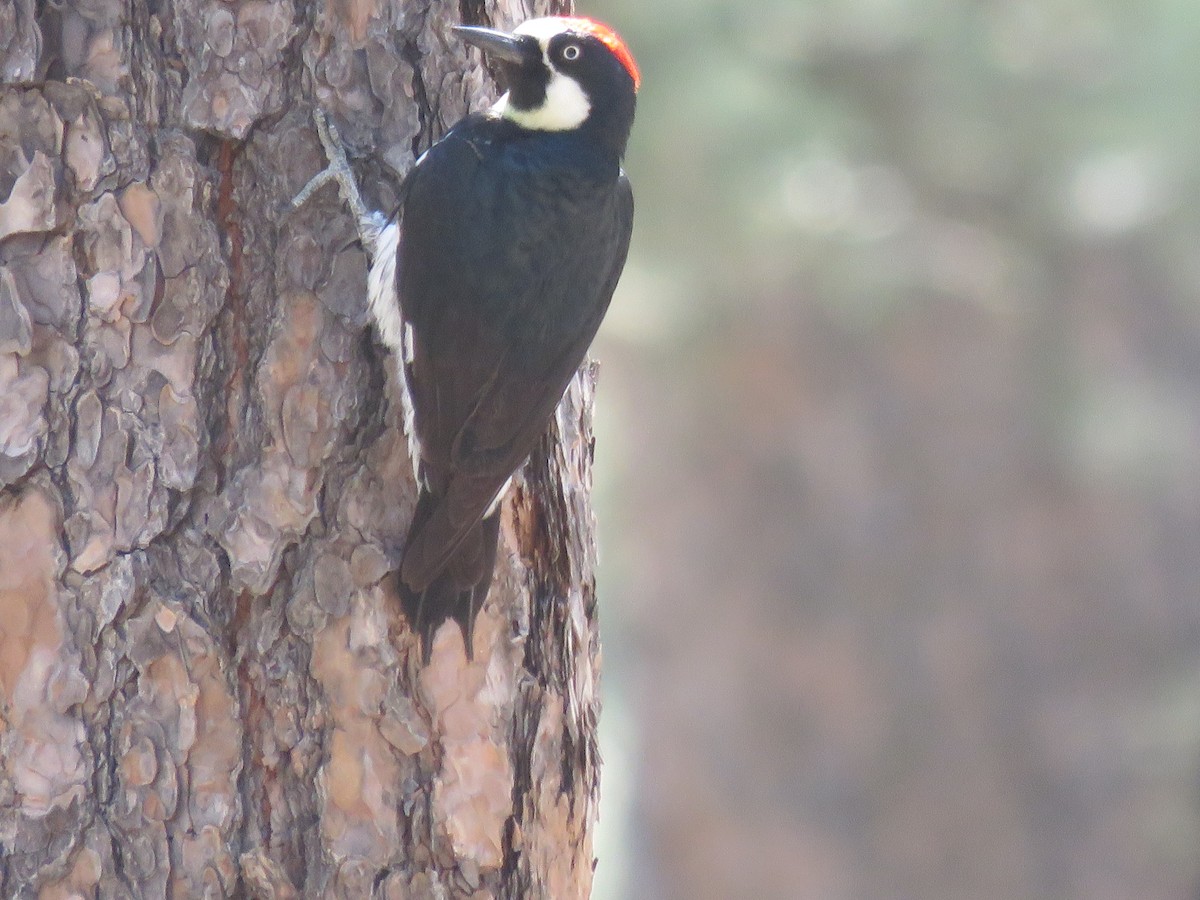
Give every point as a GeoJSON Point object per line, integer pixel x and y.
{"type": "Point", "coordinates": [206, 685]}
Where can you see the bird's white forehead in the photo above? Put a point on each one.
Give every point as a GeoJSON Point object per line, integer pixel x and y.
{"type": "Point", "coordinates": [543, 29]}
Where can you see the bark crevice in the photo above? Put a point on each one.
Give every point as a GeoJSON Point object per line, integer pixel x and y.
{"type": "Point", "coordinates": [206, 682]}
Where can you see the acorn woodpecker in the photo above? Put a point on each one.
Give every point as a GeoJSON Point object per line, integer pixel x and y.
{"type": "Point", "coordinates": [490, 283]}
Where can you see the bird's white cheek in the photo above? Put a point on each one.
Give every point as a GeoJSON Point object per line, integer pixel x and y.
{"type": "Point", "coordinates": [566, 107]}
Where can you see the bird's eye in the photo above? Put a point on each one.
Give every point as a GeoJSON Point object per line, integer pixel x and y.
{"type": "Point", "coordinates": [571, 52]}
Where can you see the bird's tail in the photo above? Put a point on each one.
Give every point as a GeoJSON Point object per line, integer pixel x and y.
{"type": "Point", "coordinates": [458, 590]}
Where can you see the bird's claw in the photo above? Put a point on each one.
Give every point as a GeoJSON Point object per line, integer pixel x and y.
{"type": "Point", "coordinates": [338, 169]}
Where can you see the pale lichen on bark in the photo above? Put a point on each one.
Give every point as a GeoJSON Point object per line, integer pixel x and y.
{"type": "Point", "coordinates": [206, 685]}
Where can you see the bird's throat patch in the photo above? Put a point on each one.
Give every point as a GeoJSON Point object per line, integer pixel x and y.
{"type": "Point", "coordinates": [565, 105]}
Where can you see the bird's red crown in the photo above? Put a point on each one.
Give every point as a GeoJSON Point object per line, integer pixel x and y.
{"type": "Point", "coordinates": [612, 41]}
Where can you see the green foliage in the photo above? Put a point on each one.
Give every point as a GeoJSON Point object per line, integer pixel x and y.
{"type": "Point", "coordinates": [847, 149]}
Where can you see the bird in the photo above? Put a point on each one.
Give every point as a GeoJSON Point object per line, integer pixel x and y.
{"type": "Point", "coordinates": [490, 282]}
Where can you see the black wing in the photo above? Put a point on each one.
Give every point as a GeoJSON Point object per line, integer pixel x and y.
{"type": "Point", "coordinates": [507, 267]}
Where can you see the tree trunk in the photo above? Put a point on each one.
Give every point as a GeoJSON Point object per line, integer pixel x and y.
{"type": "Point", "coordinates": [207, 687]}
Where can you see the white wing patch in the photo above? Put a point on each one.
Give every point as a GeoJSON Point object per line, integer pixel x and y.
{"type": "Point", "coordinates": [410, 422]}
{"type": "Point", "coordinates": [381, 287]}
{"type": "Point", "coordinates": [499, 498]}
{"type": "Point", "coordinates": [396, 334]}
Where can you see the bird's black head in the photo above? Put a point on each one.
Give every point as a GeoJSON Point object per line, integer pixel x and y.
{"type": "Point", "coordinates": [564, 74]}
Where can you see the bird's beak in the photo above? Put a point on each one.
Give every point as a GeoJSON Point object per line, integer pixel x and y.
{"type": "Point", "coordinates": [501, 46]}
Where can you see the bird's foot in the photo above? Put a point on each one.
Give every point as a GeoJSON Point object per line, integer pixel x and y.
{"type": "Point", "coordinates": [368, 222]}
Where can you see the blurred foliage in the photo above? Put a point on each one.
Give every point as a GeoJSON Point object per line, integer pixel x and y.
{"type": "Point", "coordinates": [838, 145]}
{"type": "Point", "coordinates": [900, 451]}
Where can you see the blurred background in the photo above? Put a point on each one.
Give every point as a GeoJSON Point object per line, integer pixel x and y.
{"type": "Point", "coordinates": [899, 454]}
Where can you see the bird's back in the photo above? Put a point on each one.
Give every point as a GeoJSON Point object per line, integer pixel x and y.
{"type": "Point", "coordinates": [512, 244]}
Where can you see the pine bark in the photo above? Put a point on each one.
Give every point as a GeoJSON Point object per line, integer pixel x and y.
{"type": "Point", "coordinates": [207, 687]}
